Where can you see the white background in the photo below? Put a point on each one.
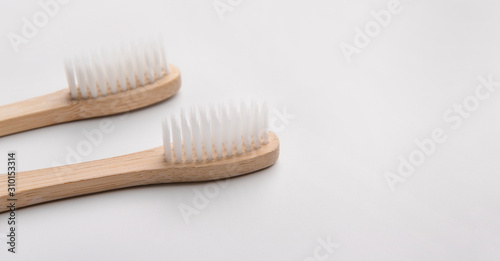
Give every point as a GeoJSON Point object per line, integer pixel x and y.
{"type": "Point", "coordinates": [348, 124]}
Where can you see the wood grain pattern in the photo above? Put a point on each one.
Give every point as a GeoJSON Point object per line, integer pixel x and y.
{"type": "Point", "coordinates": [59, 107]}
{"type": "Point", "coordinates": [141, 168]}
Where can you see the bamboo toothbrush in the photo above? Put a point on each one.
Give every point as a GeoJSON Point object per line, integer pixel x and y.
{"type": "Point", "coordinates": [204, 144]}
{"type": "Point", "coordinates": [100, 83]}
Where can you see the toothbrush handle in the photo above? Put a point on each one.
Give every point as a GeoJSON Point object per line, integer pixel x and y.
{"type": "Point", "coordinates": [36, 112]}
{"type": "Point", "coordinates": [136, 169]}
{"type": "Point", "coordinates": [38, 186]}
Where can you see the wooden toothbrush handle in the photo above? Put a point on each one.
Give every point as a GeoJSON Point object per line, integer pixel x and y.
{"type": "Point", "coordinates": [36, 112]}
{"type": "Point", "coordinates": [136, 169]}
{"type": "Point", "coordinates": [37, 186]}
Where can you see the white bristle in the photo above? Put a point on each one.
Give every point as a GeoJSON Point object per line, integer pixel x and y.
{"type": "Point", "coordinates": [220, 129]}
{"type": "Point", "coordinates": [70, 76]}
{"type": "Point", "coordinates": [163, 56]}
{"type": "Point", "coordinates": [255, 124]}
{"type": "Point", "coordinates": [195, 126]}
{"type": "Point", "coordinates": [246, 127]}
{"type": "Point", "coordinates": [236, 122]}
{"type": "Point", "coordinates": [139, 64]}
{"type": "Point", "coordinates": [127, 66]}
{"type": "Point", "coordinates": [100, 74]}
{"type": "Point", "coordinates": [156, 59]}
{"type": "Point", "coordinates": [207, 133]}
{"type": "Point", "coordinates": [227, 131]}
{"type": "Point", "coordinates": [265, 123]}
{"type": "Point", "coordinates": [149, 62]}
{"type": "Point", "coordinates": [166, 140]}
{"type": "Point", "coordinates": [176, 138]}
{"type": "Point", "coordinates": [120, 66]}
{"type": "Point", "coordinates": [110, 71]}
{"type": "Point", "coordinates": [216, 131]}
{"type": "Point", "coordinates": [128, 52]}
{"type": "Point", "coordinates": [186, 137]}
{"type": "Point", "coordinates": [81, 79]}
{"type": "Point", "coordinates": [91, 78]}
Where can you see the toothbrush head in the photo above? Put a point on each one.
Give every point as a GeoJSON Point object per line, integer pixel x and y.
{"type": "Point", "coordinates": [131, 65]}
{"type": "Point", "coordinates": [219, 134]}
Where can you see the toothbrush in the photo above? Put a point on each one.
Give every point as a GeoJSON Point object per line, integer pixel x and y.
{"type": "Point", "coordinates": [100, 83]}
{"type": "Point", "coordinates": [199, 145]}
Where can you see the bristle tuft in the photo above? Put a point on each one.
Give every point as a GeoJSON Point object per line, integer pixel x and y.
{"type": "Point", "coordinates": [215, 132]}
{"type": "Point", "coordinates": [125, 67]}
